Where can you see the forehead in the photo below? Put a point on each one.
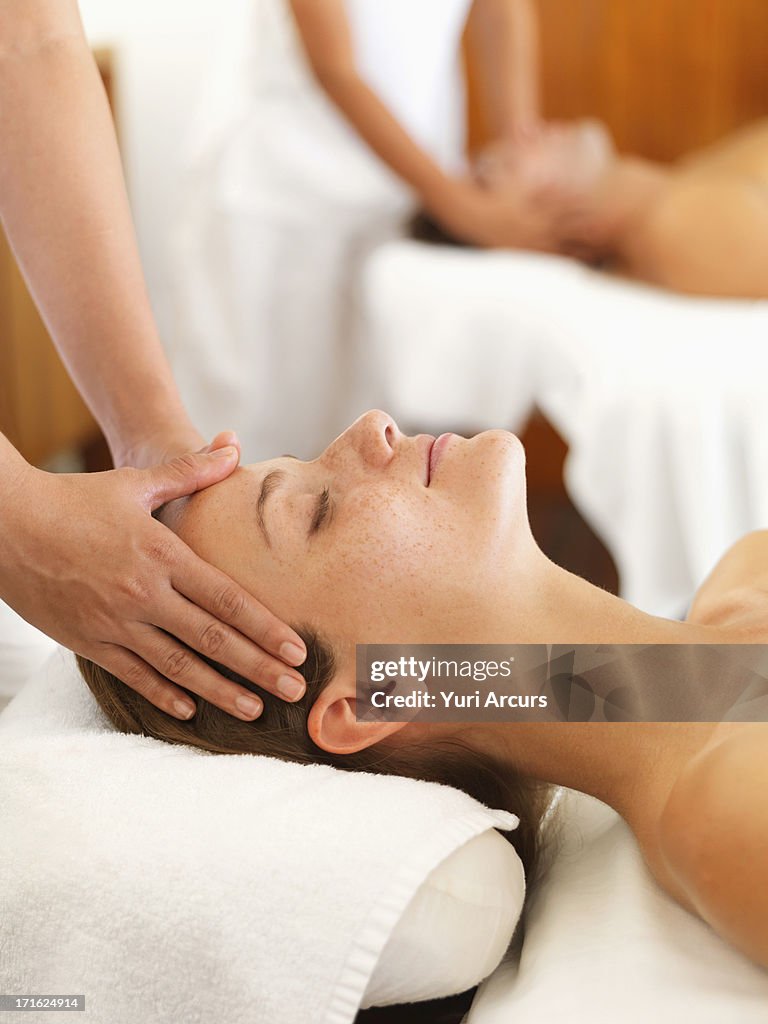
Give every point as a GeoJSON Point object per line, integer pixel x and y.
{"type": "Point", "coordinates": [224, 502]}
{"type": "Point", "coordinates": [220, 525]}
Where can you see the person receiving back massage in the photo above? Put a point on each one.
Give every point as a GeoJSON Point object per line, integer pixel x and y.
{"type": "Point", "coordinates": [699, 225]}
{"type": "Point", "coordinates": [387, 539]}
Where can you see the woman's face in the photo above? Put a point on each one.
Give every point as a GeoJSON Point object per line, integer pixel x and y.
{"type": "Point", "coordinates": [550, 176]}
{"type": "Point", "coordinates": [367, 543]}
{"type": "Point", "coordinates": [569, 156]}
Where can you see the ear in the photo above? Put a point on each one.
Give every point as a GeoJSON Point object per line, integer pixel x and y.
{"type": "Point", "coordinates": [332, 723]}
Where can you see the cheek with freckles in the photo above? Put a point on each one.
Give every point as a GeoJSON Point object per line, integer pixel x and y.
{"type": "Point", "coordinates": [392, 567]}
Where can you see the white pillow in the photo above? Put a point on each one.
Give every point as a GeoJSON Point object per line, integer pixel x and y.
{"type": "Point", "coordinates": [431, 920]}
{"type": "Point", "coordinates": [456, 928]}
{"type": "Point", "coordinates": [604, 943]}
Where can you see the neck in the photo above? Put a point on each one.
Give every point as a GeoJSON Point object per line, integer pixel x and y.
{"type": "Point", "coordinates": [629, 765]}
{"type": "Point", "coordinates": [623, 200]}
{"type": "Point", "coordinates": [546, 604]}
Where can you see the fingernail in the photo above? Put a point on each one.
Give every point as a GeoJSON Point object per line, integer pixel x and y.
{"type": "Point", "coordinates": [183, 708]}
{"type": "Point", "coordinates": [224, 453]}
{"type": "Point", "coordinates": [292, 653]}
{"type": "Point", "coordinates": [291, 688]}
{"type": "Point", "coordinates": [251, 707]}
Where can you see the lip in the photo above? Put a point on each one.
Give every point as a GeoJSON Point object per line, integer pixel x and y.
{"type": "Point", "coordinates": [436, 452]}
{"type": "Point", "coordinates": [428, 457]}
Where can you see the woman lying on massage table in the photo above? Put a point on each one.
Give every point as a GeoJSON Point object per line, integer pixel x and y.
{"type": "Point", "coordinates": [384, 539]}
{"type": "Point", "coordinates": [699, 225]}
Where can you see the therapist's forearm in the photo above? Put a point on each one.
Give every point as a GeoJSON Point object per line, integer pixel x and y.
{"type": "Point", "coordinates": [460, 205]}
{"type": "Point", "coordinates": [64, 208]}
{"type": "Point", "coordinates": [325, 32]}
{"type": "Point", "coordinates": [503, 37]}
{"type": "Point", "coordinates": [386, 136]}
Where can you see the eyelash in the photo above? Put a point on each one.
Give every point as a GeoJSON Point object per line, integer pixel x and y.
{"type": "Point", "coordinates": [323, 508]}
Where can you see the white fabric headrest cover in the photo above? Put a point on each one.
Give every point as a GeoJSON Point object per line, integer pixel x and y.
{"type": "Point", "coordinates": [167, 883]}
{"type": "Point", "coordinates": [456, 928]}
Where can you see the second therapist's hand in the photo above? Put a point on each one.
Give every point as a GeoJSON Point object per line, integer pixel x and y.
{"type": "Point", "coordinates": [86, 563]}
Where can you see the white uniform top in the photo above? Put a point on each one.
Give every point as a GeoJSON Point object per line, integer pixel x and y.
{"type": "Point", "coordinates": [410, 53]}
{"type": "Point", "coordinates": [282, 203]}
{"type": "Point", "coordinates": [277, 136]}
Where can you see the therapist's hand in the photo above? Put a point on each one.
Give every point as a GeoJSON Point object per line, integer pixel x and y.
{"type": "Point", "coordinates": [84, 561]}
{"type": "Point", "coordinates": [508, 217]}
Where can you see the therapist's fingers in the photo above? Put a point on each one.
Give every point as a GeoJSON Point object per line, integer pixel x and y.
{"type": "Point", "coordinates": [215, 592]}
{"type": "Point", "coordinates": [153, 685]}
{"type": "Point", "coordinates": [224, 439]}
{"type": "Point", "coordinates": [185, 474]}
{"type": "Point", "coordinates": [209, 588]}
{"type": "Point", "coordinates": [211, 636]}
{"type": "Point", "coordinates": [177, 663]}
{"type": "Point", "coordinates": [159, 448]}
{"type": "Point", "coordinates": [94, 570]}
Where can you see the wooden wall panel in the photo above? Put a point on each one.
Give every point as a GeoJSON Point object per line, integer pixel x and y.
{"type": "Point", "coordinates": [666, 75]}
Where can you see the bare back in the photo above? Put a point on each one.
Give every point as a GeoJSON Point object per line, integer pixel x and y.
{"type": "Point", "coordinates": [707, 233]}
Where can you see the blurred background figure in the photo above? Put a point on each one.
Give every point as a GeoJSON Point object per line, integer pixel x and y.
{"type": "Point", "coordinates": [322, 129]}
{"type": "Point", "coordinates": [665, 224]}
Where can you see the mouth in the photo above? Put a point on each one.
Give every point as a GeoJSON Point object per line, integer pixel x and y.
{"type": "Point", "coordinates": [428, 459]}
{"type": "Point", "coordinates": [435, 454]}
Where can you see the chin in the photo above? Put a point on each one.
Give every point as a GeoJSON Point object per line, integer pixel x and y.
{"type": "Point", "coordinates": [505, 475]}
{"type": "Point", "coordinates": [508, 446]}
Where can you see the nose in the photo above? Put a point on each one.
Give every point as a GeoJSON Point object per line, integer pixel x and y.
{"type": "Point", "coordinates": [372, 439]}
{"type": "Point", "coordinates": [374, 436]}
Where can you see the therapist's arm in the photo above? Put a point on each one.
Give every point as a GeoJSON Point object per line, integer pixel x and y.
{"type": "Point", "coordinates": [461, 206]}
{"type": "Point", "coordinates": [64, 208]}
{"type": "Point", "coordinates": [503, 40]}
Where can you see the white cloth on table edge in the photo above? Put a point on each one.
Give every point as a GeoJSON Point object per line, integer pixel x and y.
{"type": "Point", "coordinates": [604, 943]}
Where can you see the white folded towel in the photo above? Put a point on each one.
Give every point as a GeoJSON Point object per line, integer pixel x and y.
{"type": "Point", "coordinates": [167, 884]}
{"type": "Point", "coordinates": [23, 650]}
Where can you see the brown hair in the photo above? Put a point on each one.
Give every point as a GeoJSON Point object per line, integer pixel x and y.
{"type": "Point", "coordinates": [282, 732]}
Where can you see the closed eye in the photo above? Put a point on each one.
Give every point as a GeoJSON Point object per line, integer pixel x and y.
{"type": "Point", "coordinates": [322, 511]}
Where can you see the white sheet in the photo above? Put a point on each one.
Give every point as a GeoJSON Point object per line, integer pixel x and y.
{"type": "Point", "coordinates": [661, 397]}
{"type": "Point", "coordinates": [604, 944]}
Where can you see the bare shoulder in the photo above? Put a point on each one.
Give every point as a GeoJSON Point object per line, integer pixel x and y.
{"type": "Point", "coordinates": [707, 235]}
{"type": "Point", "coordinates": [742, 152]}
{"type": "Point", "coordinates": [734, 597]}
{"type": "Point", "coordinates": [713, 834]}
